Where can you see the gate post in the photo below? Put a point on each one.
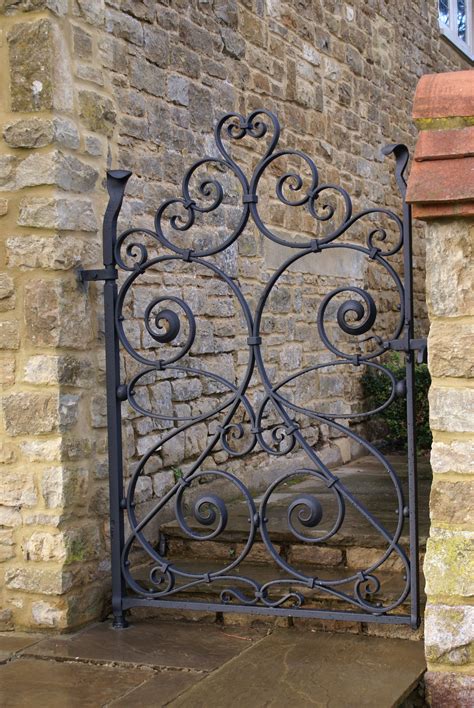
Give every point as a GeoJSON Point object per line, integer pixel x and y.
{"type": "Point", "coordinates": [116, 183]}
{"type": "Point", "coordinates": [441, 189]}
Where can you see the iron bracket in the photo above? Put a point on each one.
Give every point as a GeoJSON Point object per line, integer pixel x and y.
{"type": "Point", "coordinates": [410, 345]}
{"type": "Point", "coordinates": [96, 274]}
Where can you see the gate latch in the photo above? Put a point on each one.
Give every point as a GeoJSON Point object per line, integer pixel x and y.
{"type": "Point", "coordinates": [411, 345]}
{"type": "Point", "coordinates": [108, 273]}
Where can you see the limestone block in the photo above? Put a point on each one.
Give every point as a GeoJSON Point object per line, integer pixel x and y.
{"type": "Point", "coordinates": [93, 11]}
{"type": "Point", "coordinates": [451, 502]}
{"type": "Point", "coordinates": [455, 456]}
{"type": "Point", "coordinates": [38, 132]}
{"type": "Point", "coordinates": [122, 25]}
{"type": "Point", "coordinates": [44, 546]}
{"type": "Point", "coordinates": [57, 314]}
{"type": "Point", "coordinates": [47, 581]}
{"type": "Point", "coordinates": [449, 689]}
{"type": "Point", "coordinates": [53, 369]}
{"type": "Point", "coordinates": [178, 90]}
{"type": "Point", "coordinates": [451, 409]}
{"type": "Point", "coordinates": [3, 206]}
{"type": "Point", "coordinates": [42, 450]}
{"type": "Point", "coordinates": [58, 7]}
{"type": "Point", "coordinates": [449, 563]}
{"type": "Point", "coordinates": [29, 133]}
{"type": "Point", "coordinates": [17, 487]}
{"type": "Point", "coordinates": [28, 413]}
{"type": "Point", "coordinates": [162, 483]}
{"type": "Point", "coordinates": [65, 171]}
{"type": "Point", "coordinates": [44, 614]}
{"type": "Point", "coordinates": [449, 270]}
{"type": "Point", "coordinates": [7, 546]}
{"type": "Point", "coordinates": [450, 349]}
{"type": "Point", "coordinates": [67, 214]}
{"type": "Point", "coordinates": [449, 634]}
{"type": "Point", "coordinates": [63, 487]}
{"type": "Point", "coordinates": [7, 173]}
{"type": "Point", "coordinates": [31, 66]}
{"type": "Point", "coordinates": [50, 252]}
{"type": "Point", "coordinates": [9, 516]}
{"type": "Point", "coordinates": [97, 112]}
{"type": "Point", "coordinates": [6, 285]}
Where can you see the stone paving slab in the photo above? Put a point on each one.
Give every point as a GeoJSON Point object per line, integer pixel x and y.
{"type": "Point", "coordinates": [11, 644]}
{"type": "Point", "coordinates": [51, 684]}
{"type": "Point", "coordinates": [292, 668]}
{"type": "Point", "coordinates": [148, 643]}
{"type": "Point", "coordinates": [158, 691]}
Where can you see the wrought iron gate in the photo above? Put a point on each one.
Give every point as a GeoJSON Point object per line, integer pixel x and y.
{"type": "Point", "coordinates": [127, 262]}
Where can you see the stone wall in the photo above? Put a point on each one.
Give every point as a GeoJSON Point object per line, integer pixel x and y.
{"type": "Point", "coordinates": [138, 85]}
{"type": "Point", "coordinates": [442, 188]}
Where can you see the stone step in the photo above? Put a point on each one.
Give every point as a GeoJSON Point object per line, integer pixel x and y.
{"type": "Point", "coordinates": [313, 668]}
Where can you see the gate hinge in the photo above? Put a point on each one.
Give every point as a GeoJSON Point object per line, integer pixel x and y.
{"type": "Point", "coordinates": [411, 345]}
{"type": "Point", "coordinates": [108, 273]}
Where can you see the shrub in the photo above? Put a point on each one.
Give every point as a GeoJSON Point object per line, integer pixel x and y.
{"type": "Point", "coordinates": [377, 386]}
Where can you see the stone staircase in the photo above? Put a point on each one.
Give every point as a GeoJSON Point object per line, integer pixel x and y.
{"type": "Point", "coordinates": [354, 548]}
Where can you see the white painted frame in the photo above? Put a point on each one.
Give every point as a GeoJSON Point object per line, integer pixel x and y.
{"type": "Point", "coordinates": [451, 33]}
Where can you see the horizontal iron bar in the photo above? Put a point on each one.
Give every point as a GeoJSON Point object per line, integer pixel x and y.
{"type": "Point", "coordinates": [411, 345]}
{"type": "Point", "coordinates": [129, 602]}
{"type": "Point", "coordinates": [108, 273]}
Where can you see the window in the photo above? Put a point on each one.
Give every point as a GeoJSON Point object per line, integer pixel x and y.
{"type": "Point", "coordinates": [456, 21]}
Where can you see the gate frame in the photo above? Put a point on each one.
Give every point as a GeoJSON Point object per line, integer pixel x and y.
{"type": "Point", "coordinates": [117, 393]}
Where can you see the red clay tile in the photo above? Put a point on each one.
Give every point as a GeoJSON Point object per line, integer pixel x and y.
{"type": "Point", "coordinates": [450, 180]}
{"type": "Point", "coordinates": [444, 144]}
{"type": "Point", "coordinates": [446, 95]}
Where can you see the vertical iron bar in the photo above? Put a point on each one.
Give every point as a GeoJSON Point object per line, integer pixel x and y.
{"type": "Point", "coordinates": [116, 182]}
{"type": "Point", "coordinates": [411, 425]}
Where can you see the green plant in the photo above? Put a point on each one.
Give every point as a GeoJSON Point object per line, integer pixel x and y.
{"type": "Point", "coordinates": [177, 473]}
{"type": "Point", "coordinates": [377, 387]}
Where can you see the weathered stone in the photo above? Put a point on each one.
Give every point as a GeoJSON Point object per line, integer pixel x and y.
{"type": "Point", "coordinates": [448, 281]}
{"type": "Point", "coordinates": [450, 351]}
{"type": "Point", "coordinates": [57, 314]}
{"type": "Point", "coordinates": [9, 516]}
{"type": "Point", "coordinates": [82, 42]}
{"type": "Point", "coordinates": [28, 413]}
{"type": "Point", "coordinates": [316, 555]}
{"type": "Point", "coordinates": [17, 487]}
{"type": "Point", "coordinates": [97, 112]}
{"type": "Point", "coordinates": [7, 546]}
{"type": "Point", "coordinates": [455, 456]}
{"type": "Point", "coordinates": [9, 335]}
{"type": "Point", "coordinates": [92, 11]}
{"type": "Point", "coordinates": [3, 206]}
{"type": "Point", "coordinates": [90, 73]}
{"type": "Point", "coordinates": [451, 409]}
{"type": "Point", "coordinates": [234, 45]}
{"type": "Point", "coordinates": [29, 133]}
{"type": "Point", "coordinates": [51, 253]}
{"type": "Point", "coordinates": [7, 173]}
{"type": "Point", "coordinates": [121, 25]}
{"type": "Point", "coordinates": [186, 389]}
{"type": "Point", "coordinates": [45, 614]}
{"type": "Point", "coordinates": [66, 133]}
{"type": "Point", "coordinates": [451, 502]}
{"type": "Point", "coordinates": [31, 62]}
{"type": "Point", "coordinates": [52, 213]}
{"type": "Point", "coordinates": [45, 581]}
{"type": "Point", "coordinates": [65, 171]}
{"type": "Point", "coordinates": [178, 90]}
{"type": "Point", "coordinates": [449, 632]}
{"type": "Point", "coordinates": [162, 483]}
{"type": "Point", "coordinates": [6, 286]}
{"type": "Point", "coordinates": [449, 689]}
{"type": "Point", "coordinates": [63, 487]}
{"type": "Point", "coordinates": [145, 76]}
{"type": "Point", "coordinates": [59, 7]}
{"type": "Point", "coordinates": [156, 46]}
{"type": "Point", "coordinates": [449, 563]}
{"type": "Point", "coordinates": [42, 450]}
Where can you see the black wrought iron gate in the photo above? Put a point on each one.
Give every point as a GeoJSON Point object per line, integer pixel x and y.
{"type": "Point", "coordinates": [168, 321]}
